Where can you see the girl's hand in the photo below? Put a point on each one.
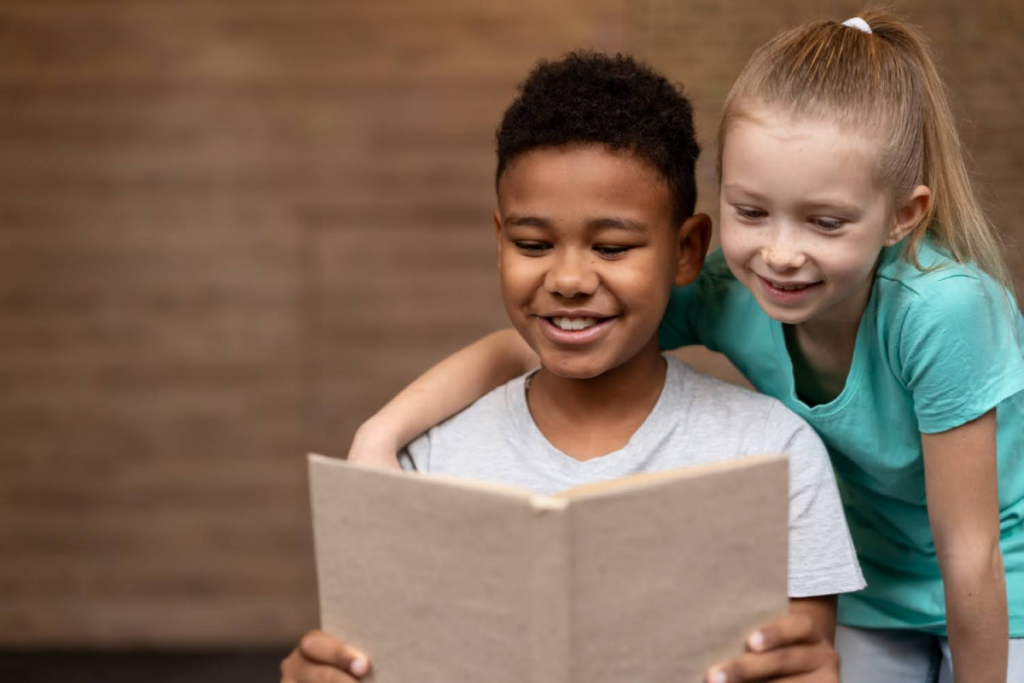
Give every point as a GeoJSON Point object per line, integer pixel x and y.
{"type": "Point", "coordinates": [320, 658]}
{"type": "Point", "coordinates": [793, 647]}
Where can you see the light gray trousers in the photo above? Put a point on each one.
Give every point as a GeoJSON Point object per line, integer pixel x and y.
{"type": "Point", "coordinates": [893, 656]}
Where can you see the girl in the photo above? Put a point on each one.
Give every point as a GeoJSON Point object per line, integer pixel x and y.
{"type": "Point", "coordinates": [859, 283]}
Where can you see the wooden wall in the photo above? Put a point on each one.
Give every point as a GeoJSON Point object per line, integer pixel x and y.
{"type": "Point", "coordinates": [230, 230]}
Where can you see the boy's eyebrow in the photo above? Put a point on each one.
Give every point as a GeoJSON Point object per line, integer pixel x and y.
{"type": "Point", "coordinates": [629, 224]}
{"type": "Point", "coordinates": [526, 219]}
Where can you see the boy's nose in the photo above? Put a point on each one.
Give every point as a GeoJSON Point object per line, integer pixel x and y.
{"type": "Point", "coordinates": [571, 276]}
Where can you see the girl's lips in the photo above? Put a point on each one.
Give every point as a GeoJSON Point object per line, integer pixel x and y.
{"type": "Point", "coordinates": [787, 296]}
{"type": "Point", "coordinates": [560, 336]}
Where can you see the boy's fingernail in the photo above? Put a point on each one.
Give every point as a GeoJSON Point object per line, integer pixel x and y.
{"type": "Point", "coordinates": [756, 641]}
{"type": "Point", "coordinates": [717, 676]}
{"type": "Point", "coordinates": [359, 666]}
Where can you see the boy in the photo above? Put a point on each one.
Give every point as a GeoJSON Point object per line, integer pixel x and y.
{"type": "Point", "coordinates": [595, 224]}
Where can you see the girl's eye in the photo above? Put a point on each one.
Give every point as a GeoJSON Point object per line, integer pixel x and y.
{"type": "Point", "coordinates": [531, 247]}
{"type": "Point", "coordinates": [607, 250]}
{"type": "Point", "coordinates": [828, 223]}
{"type": "Point", "coordinates": [749, 214]}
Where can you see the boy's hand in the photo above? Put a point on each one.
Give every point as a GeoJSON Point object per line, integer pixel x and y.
{"type": "Point", "coordinates": [373, 446]}
{"type": "Point", "coordinates": [320, 658]}
{"type": "Point", "coordinates": [790, 648]}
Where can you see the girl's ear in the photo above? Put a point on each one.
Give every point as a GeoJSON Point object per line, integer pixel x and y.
{"type": "Point", "coordinates": [916, 208]}
{"type": "Point", "coordinates": [694, 238]}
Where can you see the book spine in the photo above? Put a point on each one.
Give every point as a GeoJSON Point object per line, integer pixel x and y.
{"type": "Point", "coordinates": [551, 595]}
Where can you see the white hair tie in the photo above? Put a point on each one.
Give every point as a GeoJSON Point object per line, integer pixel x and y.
{"type": "Point", "coordinates": [858, 24]}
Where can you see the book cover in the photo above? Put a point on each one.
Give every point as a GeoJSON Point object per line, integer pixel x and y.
{"type": "Point", "coordinates": [648, 578]}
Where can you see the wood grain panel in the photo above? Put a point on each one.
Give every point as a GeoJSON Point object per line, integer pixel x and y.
{"type": "Point", "coordinates": [229, 231]}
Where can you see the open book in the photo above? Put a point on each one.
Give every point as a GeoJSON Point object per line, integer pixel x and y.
{"type": "Point", "coordinates": [644, 579]}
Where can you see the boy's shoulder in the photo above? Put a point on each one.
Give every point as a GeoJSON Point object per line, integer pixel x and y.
{"type": "Point", "coordinates": [485, 426]}
{"type": "Point", "coordinates": [741, 420]}
{"type": "Point", "coordinates": [708, 394]}
{"type": "Point", "coordinates": [494, 411]}
{"type": "Point", "coordinates": [696, 402]}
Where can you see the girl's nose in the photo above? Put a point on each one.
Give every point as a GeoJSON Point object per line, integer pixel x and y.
{"type": "Point", "coordinates": [572, 275]}
{"type": "Point", "coordinates": [783, 251]}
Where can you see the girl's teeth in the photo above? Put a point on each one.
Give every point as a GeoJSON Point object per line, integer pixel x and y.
{"type": "Point", "coordinates": [573, 324]}
{"type": "Point", "coordinates": [790, 288]}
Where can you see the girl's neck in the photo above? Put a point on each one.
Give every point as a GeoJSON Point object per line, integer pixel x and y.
{"type": "Point", "coordinates": [587, 418]}
{"type": "Point", "coordinates": [821, 349]}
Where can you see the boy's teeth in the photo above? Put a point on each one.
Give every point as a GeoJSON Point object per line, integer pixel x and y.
{"type": "Point", "coordinates": [572, 324]}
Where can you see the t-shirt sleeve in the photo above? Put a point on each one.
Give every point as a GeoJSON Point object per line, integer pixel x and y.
{"type": "Point", "coordinates": [678, 326]}
{"type": "Point", "coordinates": [415, 457]}
{"type": "Point", "coordinates": [959, 350]}
{"type": "Point", "coordinates": [692, 310]}
{"type": "Point", "coordinates": [822, 559]}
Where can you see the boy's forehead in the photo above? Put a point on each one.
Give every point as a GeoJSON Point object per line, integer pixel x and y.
{"type": "Point", "coordinates": [583, 174]}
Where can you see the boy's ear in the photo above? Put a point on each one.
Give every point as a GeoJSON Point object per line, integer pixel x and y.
{"type": "Point", "coordinates": [497, 232]}
{"type": "Point", "coordinates": [694, 238]}
{"type": "Point", "coordinates": [916, 208]}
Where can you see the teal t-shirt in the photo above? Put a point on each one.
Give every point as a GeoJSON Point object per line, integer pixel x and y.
{"type": "Point", "coordinates": [934, 350]}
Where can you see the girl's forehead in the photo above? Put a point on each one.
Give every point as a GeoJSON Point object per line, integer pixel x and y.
{"type": "Point", "coordinates": [797, 130]}
{"type": "Point", "coordinates": [800, 157]}
{"type": "Point", "coordinates": [785, 139]}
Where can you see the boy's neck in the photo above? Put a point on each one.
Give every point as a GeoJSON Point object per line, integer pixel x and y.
{"type": "Point", "coordinates": [588, 418]}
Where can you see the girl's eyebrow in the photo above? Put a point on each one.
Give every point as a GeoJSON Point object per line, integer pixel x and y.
{"type": "Point", "coordinates": [825, 203]}
{"type": "Point", "coordinates": [734, 187]}
{"type": "Point", "coordinates": [813, 203]}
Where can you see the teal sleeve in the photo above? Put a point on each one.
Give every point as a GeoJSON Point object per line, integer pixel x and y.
{"type": "Point", "coordinates": [960, 351]}
{"type": "Point", "coordinates": [689, 318]}
{"type": "Point", "coordinates": [678, 327]}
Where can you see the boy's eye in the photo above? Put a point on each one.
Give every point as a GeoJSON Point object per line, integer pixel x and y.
{"type": "Point", "coordinates": [749, 214]}
{"type": "Point", "coordinates": [532, 247]}
{"type": "Point", "coordinates": [828, 223]}
{"type": "Point", "coordinates": [608, 250]}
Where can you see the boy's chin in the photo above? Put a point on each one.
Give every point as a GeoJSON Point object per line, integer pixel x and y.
{"type": "Point", "coordinates": [575, 368]}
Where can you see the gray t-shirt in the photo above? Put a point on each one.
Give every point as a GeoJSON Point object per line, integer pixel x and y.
{"type": "Point", "coordinates": [698, 419]}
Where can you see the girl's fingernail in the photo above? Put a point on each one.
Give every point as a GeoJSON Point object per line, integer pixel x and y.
{"type": "Point", "coordinates": [756, 641]}
{"type": "Point", "coordinates": [359, 666]}
{"type": "Point", "coordinates": [718, 676]}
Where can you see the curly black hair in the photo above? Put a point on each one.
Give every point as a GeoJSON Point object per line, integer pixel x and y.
{"type": "Point", "coordinates": [589, 97]}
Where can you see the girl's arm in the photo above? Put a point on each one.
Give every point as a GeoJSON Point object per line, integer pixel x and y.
{"type": "Point", "coordinates": [439, 393]}
{"type": "Point", "coordinates": [961, 484]}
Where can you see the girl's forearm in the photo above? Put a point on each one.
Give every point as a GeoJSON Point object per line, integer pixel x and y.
{"type": "Point", "coordinates": [442, 391]}
{"type": "Point", "coordinates": [976, 614]}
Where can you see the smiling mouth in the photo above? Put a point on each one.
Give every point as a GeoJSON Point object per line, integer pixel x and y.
{"type": "Point", "coordinates": [574, 324]}
{"type": "Point", "coordinates": [789, 286]}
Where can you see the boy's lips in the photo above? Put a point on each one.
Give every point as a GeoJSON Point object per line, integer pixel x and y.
{"type": "Point", "coordinates": [787, 292]}
{"type": "Point", "coordinates": [577, 327]}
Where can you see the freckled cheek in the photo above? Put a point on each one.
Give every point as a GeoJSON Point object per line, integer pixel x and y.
{"type": "Point", "coordinates": [738, 246]}
{"type": "Point", "coordinates": [846, 263]}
